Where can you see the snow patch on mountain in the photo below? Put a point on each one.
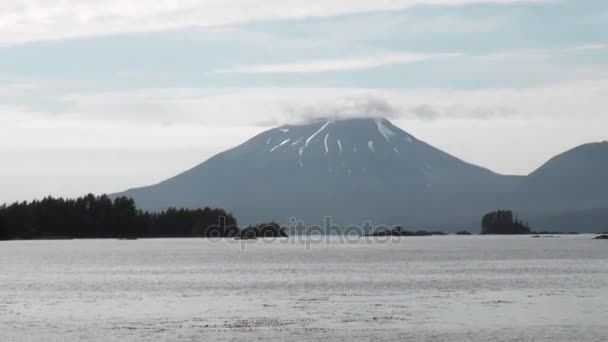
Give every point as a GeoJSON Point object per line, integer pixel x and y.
{"type": "Point", "coordinates": [385, 131]}
{"type": "Point", "coordinates": [297, 141]}
{"type": "Point", "coordinates": [279, 145]}
{"type": "Point", "coordinates": [301, 151]}
{"type": "Point", "coordinates": [317, 133]}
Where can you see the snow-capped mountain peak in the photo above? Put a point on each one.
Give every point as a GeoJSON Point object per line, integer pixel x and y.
{"type": "Point", "coordinates": [350, 169]}
{"type": "Point", "coordinates": [337, 139]}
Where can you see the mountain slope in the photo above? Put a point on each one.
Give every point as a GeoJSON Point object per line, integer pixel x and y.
{"type": "Point", "coordinates": [574, 180]}
{"type": "Point", "coordinates": [352, 170]}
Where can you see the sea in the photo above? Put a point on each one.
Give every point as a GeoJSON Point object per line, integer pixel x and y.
{"type": "Point", "coordinates": [313, 288]}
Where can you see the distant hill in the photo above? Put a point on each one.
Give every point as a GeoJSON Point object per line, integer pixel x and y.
{"type": "Point", "coordinates": [367, 168]}
{"type": "Point", "coordinates": [574, 180]}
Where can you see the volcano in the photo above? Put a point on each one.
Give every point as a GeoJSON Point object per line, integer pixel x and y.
{"type": "Point", "coordinates": [351, 170]}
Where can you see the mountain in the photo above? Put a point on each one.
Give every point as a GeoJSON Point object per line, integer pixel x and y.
{"type": "Point", "coordinates": [569, 192]}
{"type": "Point", "coordinates": [368, 169]}
{"type": "Point", "coordinates": [576, 179]}
{"type": "Point", "coordinates": [352, 170]}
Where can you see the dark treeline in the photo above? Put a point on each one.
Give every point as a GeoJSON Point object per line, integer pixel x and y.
{"type": "Point", "coordinates": [398, 231]}
{"type": "Point", "coordinates": [101, 217]}
{"type": "Point", "coordinates": [503, 222]}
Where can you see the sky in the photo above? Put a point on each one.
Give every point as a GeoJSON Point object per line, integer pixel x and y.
{"type": "Point", "coordinates": [101, 96]}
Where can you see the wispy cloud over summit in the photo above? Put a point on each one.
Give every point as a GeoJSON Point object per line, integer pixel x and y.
{"type": "Point", "coordinates": [367, 106]}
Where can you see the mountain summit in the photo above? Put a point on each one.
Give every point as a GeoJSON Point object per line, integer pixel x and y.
{"type": "Point", "coordinates": [350, 169]}
{"type": "Point", "coordinates": [353, 147]}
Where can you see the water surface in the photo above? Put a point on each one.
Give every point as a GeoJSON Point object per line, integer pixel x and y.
{"type": "Point", "coordinates": [452, 288]}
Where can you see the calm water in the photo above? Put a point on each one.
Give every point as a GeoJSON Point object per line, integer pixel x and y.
{"type": "Point", "coordinates": [421, 289]}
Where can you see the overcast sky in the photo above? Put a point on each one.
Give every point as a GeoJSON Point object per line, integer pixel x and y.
{"type": "Point", "coordinates": [100, 96]}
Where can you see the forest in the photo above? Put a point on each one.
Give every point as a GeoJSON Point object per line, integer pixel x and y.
{"type": "Point", "coordinates": [102, 217]}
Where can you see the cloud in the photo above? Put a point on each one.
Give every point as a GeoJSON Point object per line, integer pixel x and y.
{"type": "Point", "coordinates": [340, 64]}
{"type": "Point", "coordinates": [33, 20]}
{"type": "Point", "coordinates": [81, 104]}
{"type": "Point", "coordinates": [427, 112]}
{"type": "Point", "coordinates": [343, 108]}
{"type": "Point", "coordinates": [127, 127]}
{"type": "Point", "coordinates": [588, 47]}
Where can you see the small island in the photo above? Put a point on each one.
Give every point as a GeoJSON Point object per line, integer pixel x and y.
{"type": "Point", "coordinates": [503, 222]}
{"type": "Point", "coordinates": [264, 230]}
